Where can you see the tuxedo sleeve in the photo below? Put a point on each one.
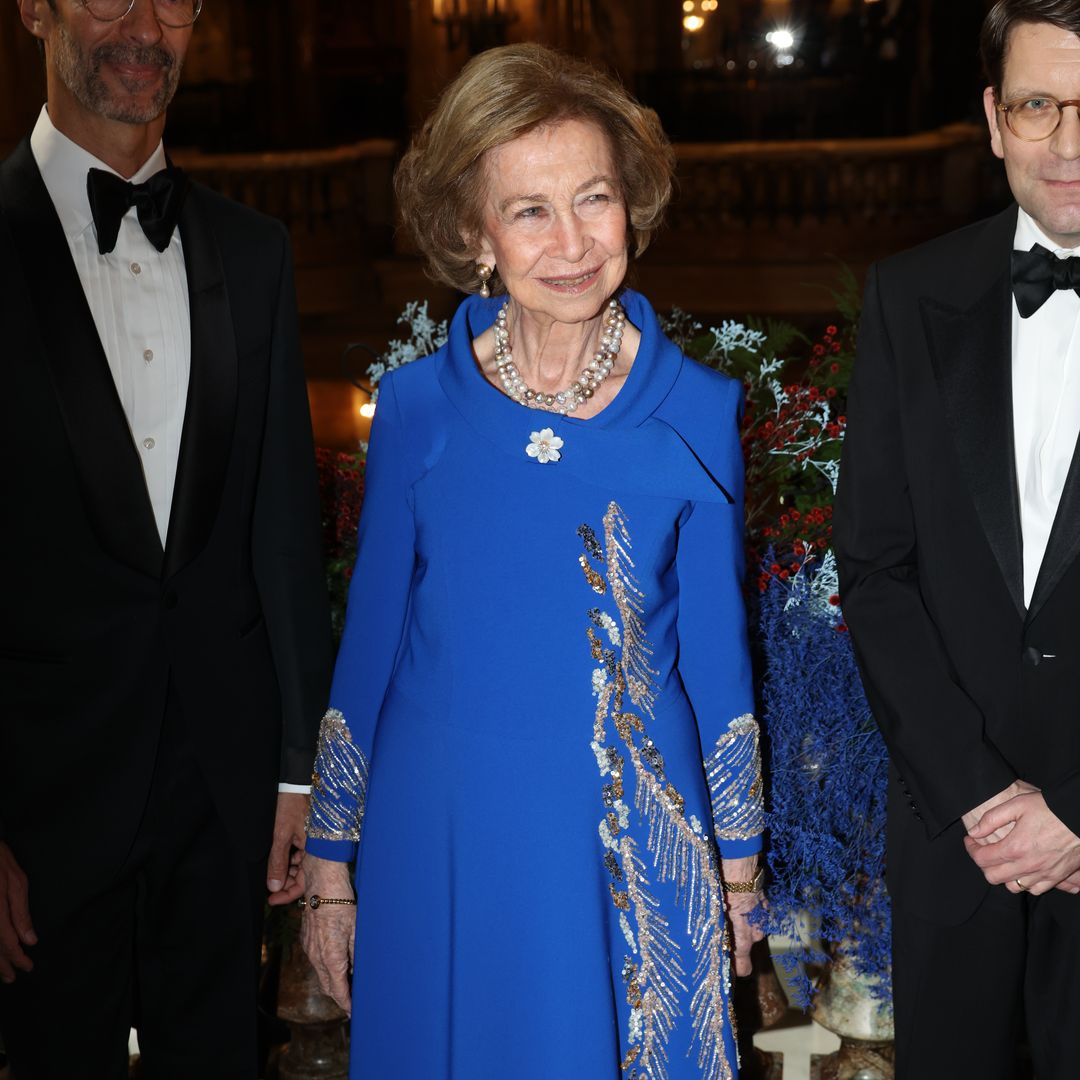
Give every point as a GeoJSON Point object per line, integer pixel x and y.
{"type": "Point", "coordinates": [287, 542]}
{"type": "Point", "coordinates": [1062, 797]}
{"type": "Point", "coordinates": [935, 732]}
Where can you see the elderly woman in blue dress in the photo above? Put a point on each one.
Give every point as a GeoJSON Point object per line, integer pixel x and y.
{"type": "Point", "coordinates": [541, 751]}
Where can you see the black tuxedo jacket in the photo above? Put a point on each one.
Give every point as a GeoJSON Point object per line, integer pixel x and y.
{"type": "Point", "coordinates": [98, 624]}
{"type": "Point", "coordinates": [970, 689]}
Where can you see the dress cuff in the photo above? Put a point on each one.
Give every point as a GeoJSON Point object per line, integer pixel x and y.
{"type": "Point", "coordinates": [739, 849]}
{"type": "Point", "coordinates": [331, 850]}
{"type": "Point", "coordinates": [733, 771]}
{"type": "Point", "coordinates": [338, 784]}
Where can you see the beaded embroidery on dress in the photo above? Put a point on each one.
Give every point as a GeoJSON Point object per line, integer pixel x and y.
{"type": "Point", "coordinates": [682, 851]}
{"type": "Point", "coordinates": [339, 779]}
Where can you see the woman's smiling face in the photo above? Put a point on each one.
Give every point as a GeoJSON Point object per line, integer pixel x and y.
{"type": "Point", "coordinates": [555, 222]}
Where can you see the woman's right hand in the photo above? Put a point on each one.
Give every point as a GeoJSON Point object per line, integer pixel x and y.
{"type": "Point", "coordinates": [327, 934]}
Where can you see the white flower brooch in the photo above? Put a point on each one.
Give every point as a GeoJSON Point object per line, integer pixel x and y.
{"type": "Point", "coordinates": [544, 445]}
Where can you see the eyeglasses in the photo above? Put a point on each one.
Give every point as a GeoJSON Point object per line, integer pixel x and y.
{"type": "Point", "coordinates": [172, 13]}
{"type": "Point", "coordinates": [1035, 118]}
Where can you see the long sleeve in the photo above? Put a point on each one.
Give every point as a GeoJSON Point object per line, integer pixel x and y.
{"type": "Point", "coordinates": [934, 730]}
{"type": "Point", "coordinates": [287, 544]}
{"type": "Point", "coordinates": [374, 621]}
{"type": "Point", "coordinates": [714, 654]}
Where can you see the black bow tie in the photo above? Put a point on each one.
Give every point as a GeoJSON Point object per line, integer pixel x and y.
{"type": "Point", "coordinates": [1037, 273]}
{"type": "Point", "coordinates": [157, 202]}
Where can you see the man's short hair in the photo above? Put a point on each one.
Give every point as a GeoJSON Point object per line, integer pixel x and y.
{"type": "Point", "coordinates": [1007, 14]}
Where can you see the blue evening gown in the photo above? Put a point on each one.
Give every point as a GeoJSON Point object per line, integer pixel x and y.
{"type": "Point", "coordinates": [541, 719]}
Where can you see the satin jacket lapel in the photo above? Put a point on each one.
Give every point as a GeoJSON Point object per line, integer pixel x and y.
{"type": "Point", "coordinates": [110, 472]}
{"type": "Point", "coordinates": [210, 417]}
{"type": "Point", "coordinates": [971, 350]}
{"type": "Point", "coordinates": [1064, 544]}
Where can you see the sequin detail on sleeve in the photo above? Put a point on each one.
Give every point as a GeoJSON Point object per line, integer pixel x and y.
{"type": "Point", "coordinates": [339, 783]}
{"type": "Point", "coordinates": [681, 851]}
{"type": "Point", "coordinates": [733, 771]}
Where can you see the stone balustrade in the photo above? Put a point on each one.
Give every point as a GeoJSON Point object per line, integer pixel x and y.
{"type": "Point", "coordinates": [753, 227]}
{"type": "Point", "coordinates": [854, 188]}
{"type": "Point", "coordinates": [312, 191]}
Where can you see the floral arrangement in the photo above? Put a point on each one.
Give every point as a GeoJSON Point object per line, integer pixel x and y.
{"type": "Point", "coordinates": [825, 760]}
{"type": "Point", "coordinates": [425, 336]}
{"type": "Point", "coordinates": [341, 491]}
{"type": "Point", "coordinates": [828, 770]}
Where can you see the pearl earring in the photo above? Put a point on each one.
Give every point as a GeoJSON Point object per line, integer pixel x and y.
{"type": "Point", "coordinates": [483, 272]}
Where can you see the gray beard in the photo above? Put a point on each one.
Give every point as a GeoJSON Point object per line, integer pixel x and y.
{"type": "Point", "coordinates": [82, 76]}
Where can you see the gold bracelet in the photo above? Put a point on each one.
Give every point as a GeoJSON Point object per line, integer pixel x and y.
{"type": "Point", "coordinates": [753, 885]}
{"type": "Point", "coordinates": [315, 901]}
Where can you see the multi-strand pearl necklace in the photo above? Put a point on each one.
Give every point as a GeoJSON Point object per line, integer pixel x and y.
{"type": "Point", "coordinates": [582, 388]}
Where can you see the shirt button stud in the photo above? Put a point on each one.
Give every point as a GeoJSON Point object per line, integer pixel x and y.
{"type": "Point", "coordinates": [136, 268]}
{"type": "Point", "coordinates": [148, 355]}
{"type": "Point", "coordinates": [149, 444]}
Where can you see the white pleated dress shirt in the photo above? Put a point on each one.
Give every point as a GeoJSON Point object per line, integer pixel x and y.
{"type": "Point", "coordinates": [138, 297]}
{"type": "Point", "coordinates": [1046, 404]}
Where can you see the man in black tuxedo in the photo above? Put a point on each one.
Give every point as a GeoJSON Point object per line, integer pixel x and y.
{"type": "Point", "coordinates": [164, 638]}
{"type": "Point", "coordinates": [958, 533]}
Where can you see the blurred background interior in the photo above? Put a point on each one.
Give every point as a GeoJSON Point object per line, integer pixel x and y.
{"type": "Point", "coordinates": [810, 134]}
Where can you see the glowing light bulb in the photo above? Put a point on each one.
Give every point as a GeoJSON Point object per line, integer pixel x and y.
{"type": "Point", "coordinates": [693, 23]}
{"type": "Point", "coordinates": [688, 5]}
{"type": "Point", "coordinates": [781, 39]}
{"type": "Point", "coordinates": [367, 410]}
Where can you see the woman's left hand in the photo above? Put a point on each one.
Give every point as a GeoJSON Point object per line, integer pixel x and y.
{"type": "Point", "coordinates": [328, 935]}
{"type": "Point", "coordinates": [739, 906]}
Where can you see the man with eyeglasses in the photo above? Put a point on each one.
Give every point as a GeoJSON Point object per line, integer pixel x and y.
{"type": "Point", "coordinates": [164, 637]}
{"type": "Point", "coordinates": [957, 530]}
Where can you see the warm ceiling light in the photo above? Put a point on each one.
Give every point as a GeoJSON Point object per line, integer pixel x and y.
{"type": "Point", "coordinates": [693, 23]}
{"type": "Point", "coordinates": [781, 39]}
{"type": "Point", "coordinates": [688, 5]}
{"type": "Point", "coordinates": [367, 410]}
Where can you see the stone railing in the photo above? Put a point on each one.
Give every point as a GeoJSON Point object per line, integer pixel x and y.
{"type": "Point", "coordinates": [848, 186]}
{"type": "Point", "coordinates": [751, 223]}
{"type": "Point", "coordinates": [343, 188]}
{"type": "Point", "coordinates": [862, 195]}
{"type": "Point", "coordinates": [337, 203]}
{"type": "Point", "coordinates": [762, 227]}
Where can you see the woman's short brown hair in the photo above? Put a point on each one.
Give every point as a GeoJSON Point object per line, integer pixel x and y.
{"type": "Point", "coordinates": [500, 95]}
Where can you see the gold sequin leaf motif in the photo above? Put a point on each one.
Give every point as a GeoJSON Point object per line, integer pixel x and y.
{"type": "Point", "coordinates": [681, 852]}
{"type": "Point", "coordinates": [629, 599]}
{"type": "Point", "coordinates": [733, 771]}
{"type": "Point", "coordinates": [339, 783]}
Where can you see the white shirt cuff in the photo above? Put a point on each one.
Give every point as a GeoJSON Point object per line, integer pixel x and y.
{"type": "Point", "coordinates": [295, 789]}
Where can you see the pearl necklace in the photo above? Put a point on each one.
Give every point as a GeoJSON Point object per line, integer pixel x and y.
{"type": "Point", "coordinates": [582, 388]}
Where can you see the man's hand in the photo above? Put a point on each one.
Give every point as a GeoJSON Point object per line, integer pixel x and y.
{"type": "Point", "coordinates": [284, 878]}
{"type": "Point", "coordinates": [1040, 850]}
{"type": "Point", "coordinates": [16, 930]}
{"type": "Point", "coordinates": [739, 905]}
{"type": "Point", "coordinates": [972, 818]}
{"type": "Point", "coordinates": [329, 933]}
